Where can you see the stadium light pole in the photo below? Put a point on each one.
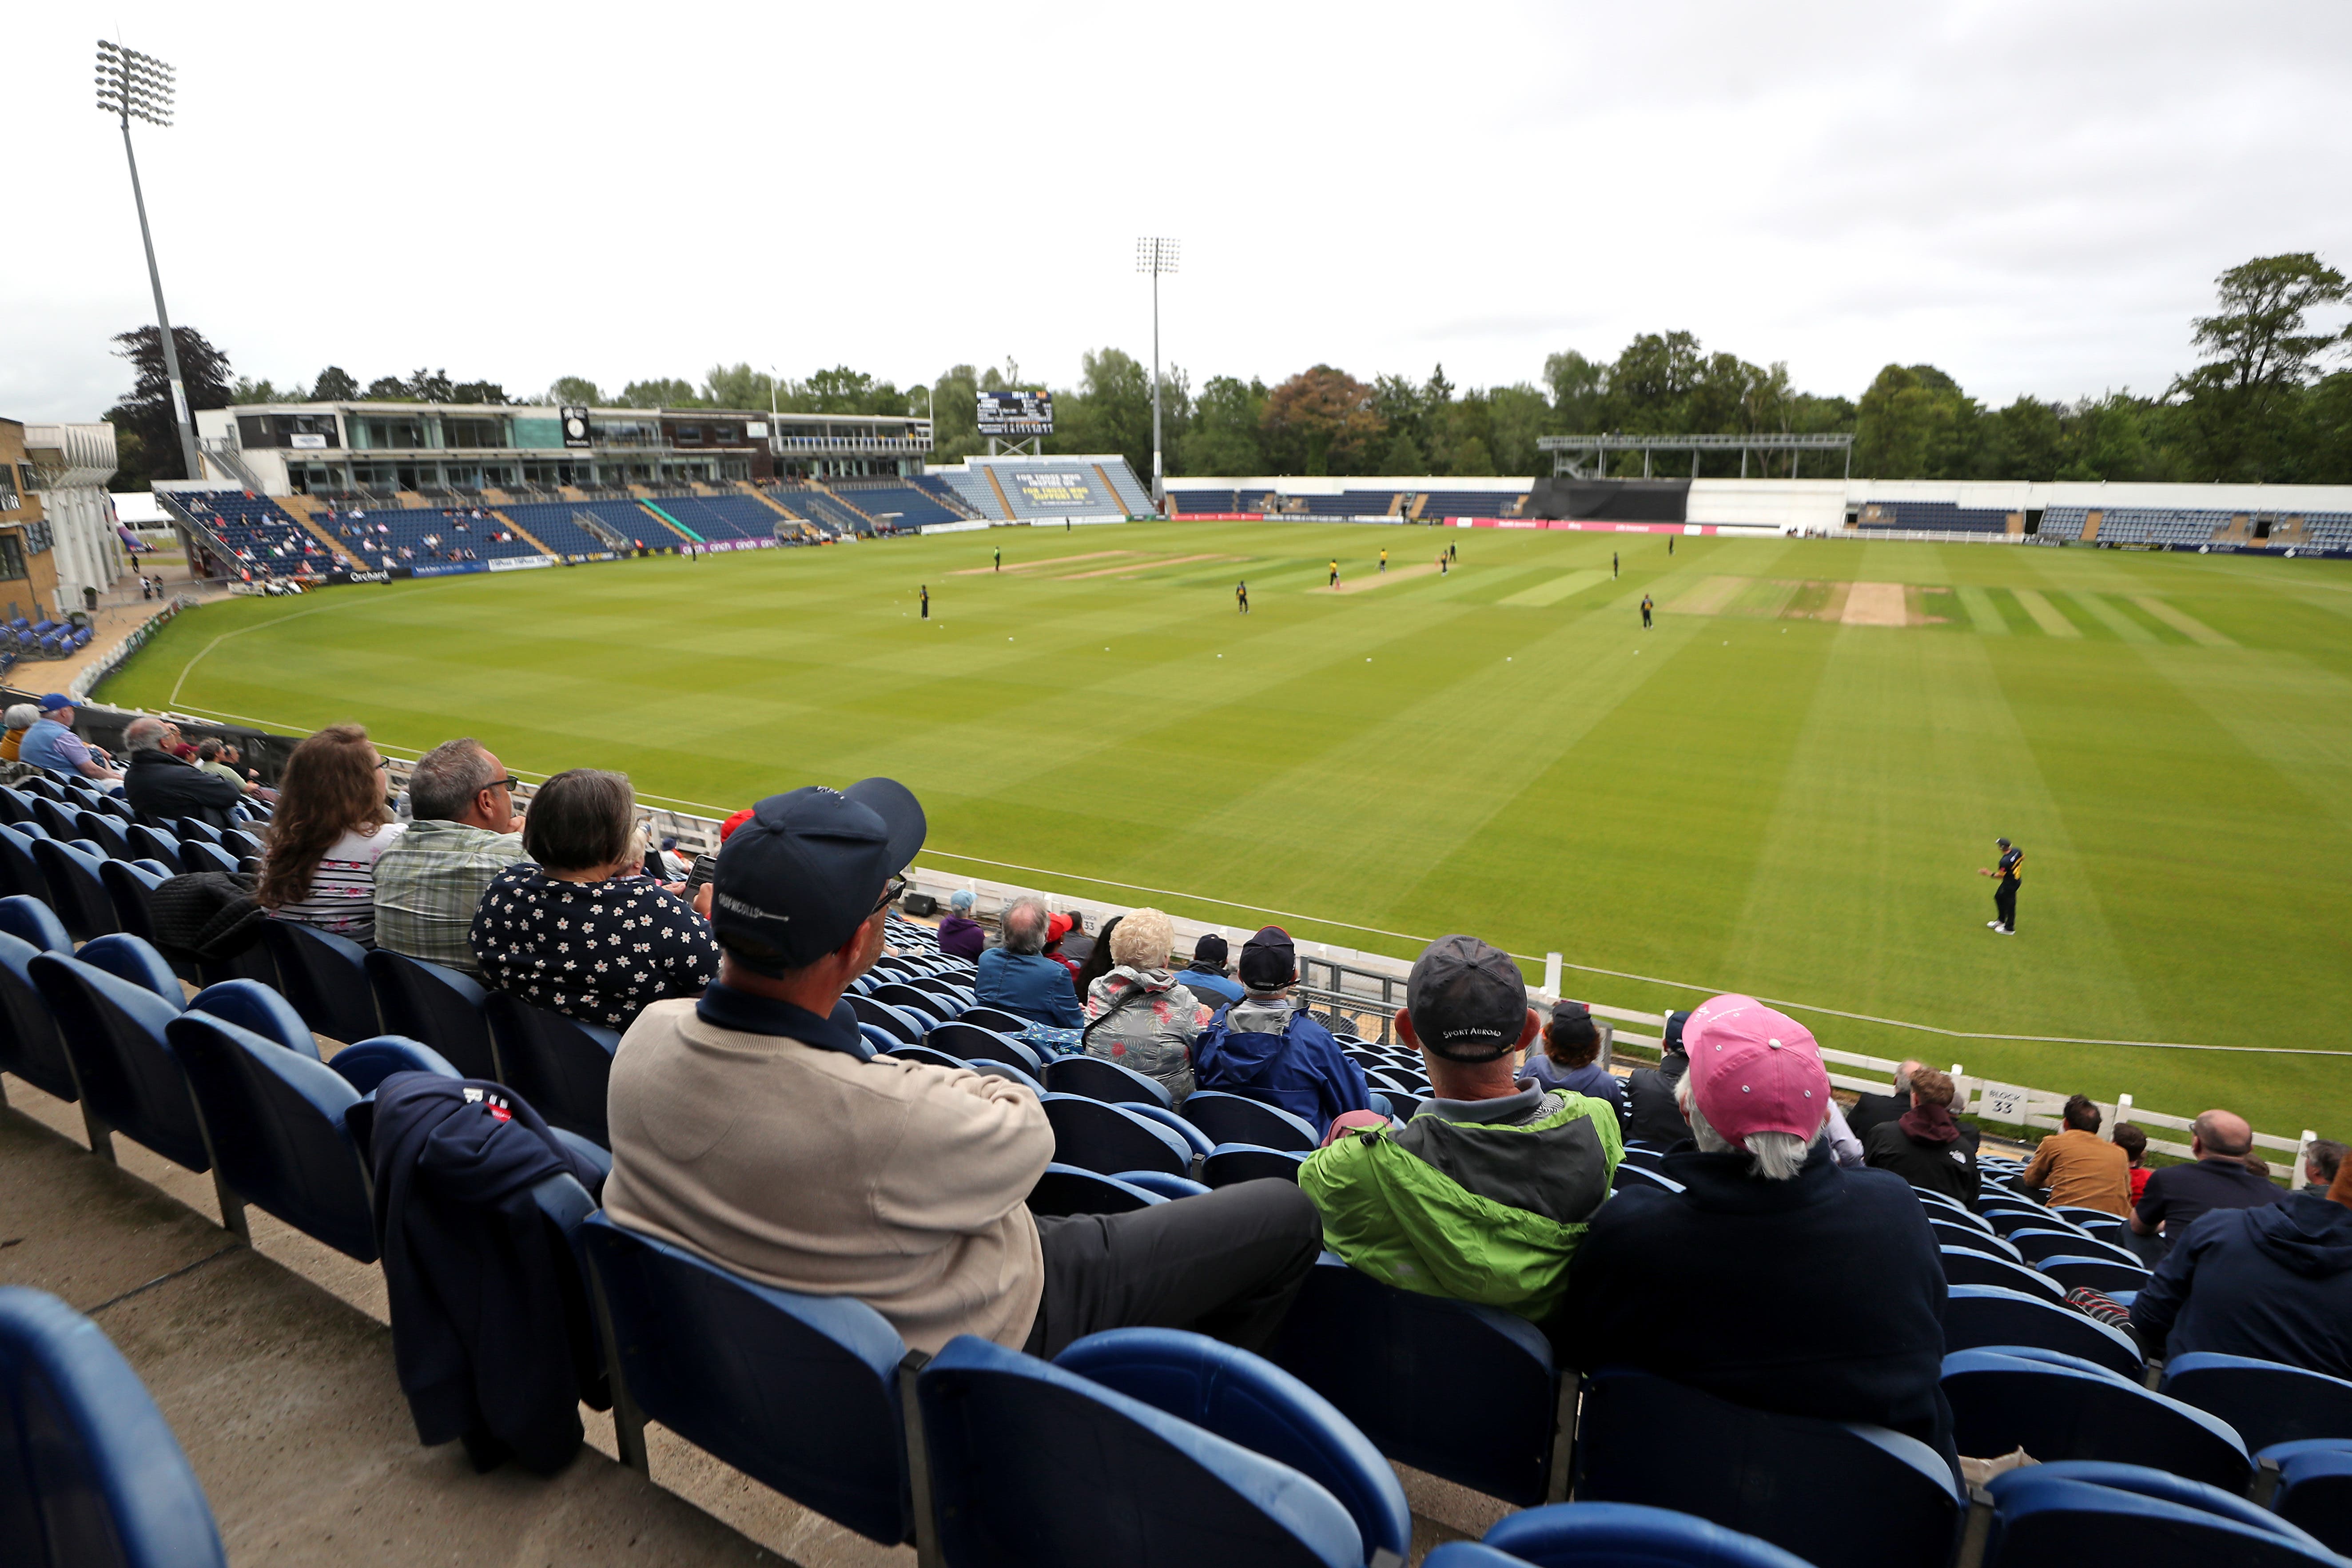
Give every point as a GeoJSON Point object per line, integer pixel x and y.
{"type": "Point", "coordinates": [135, 86]}
{"type": "Point", "coordinates": [1156, 256]}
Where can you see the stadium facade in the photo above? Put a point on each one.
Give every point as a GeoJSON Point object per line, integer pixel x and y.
{"type": "Point", "coordinates": [59, 541]}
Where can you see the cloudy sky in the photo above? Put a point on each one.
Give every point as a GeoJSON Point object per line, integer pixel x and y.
{"type": "Point", "coordinates": [2033, 196]}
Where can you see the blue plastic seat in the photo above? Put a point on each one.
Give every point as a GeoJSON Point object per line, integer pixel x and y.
{"type": "Point", "coordinates": [1229, 1163]}
{"type": "Point", "coordinates": [2314, 1488]}
{"type": "Point", "coordinates": [2046, 1516]}
{"type": "Point", "coordinates": [55, 818]}
{"type": "Point", "coordinates": [1068, 1190]}
{"type": "Point", "coordinates": [1097, 1078]}
{"type": "Point", "coordinates": [891, 1020]}
{"type": "Point", "coordinates": [200, 854]}
{"type": "Point", "coordinates": [15, 805]}
{"type": "Point", "coordinates": [2002, 1402]}
{"type": "Point", "coordinates": [1162, 1183]}
{"type": "Point", "coordinates": [1630, 1176]}
{"type": "Point", "coordinates": [1987, 1316]}
{"type": "Point", "coordinates": [2095, 1273]}
{"type": "Point", "coordinates": [982, 1016]}
{"type": "Point", "coordinates": [325, 976]}
{"type": "Point", "coordinates": [240, 843]}
{"type": "Point", "coordinates": [559, 1064]}
{"type": "Point", "coordinates": [29, 1045]}
{"type": "Point", "coordinates": [91, 1475]}
{"type": "Point", "coordinates": [1953, 1232]}
{"type": "Point", "coordinates": [974, 1042]}
{"type": "Point", "coordinates": [1005, 1434]}
{"type": "Point", "coordinates": [913, 998]}
{"type": "Point", "coordinates": [2268, 1402]}
{"type": "Point", "coordinates": [446, 1010]}
{"type": "Point", "coordinates": [75, 893]}
{"type": "Point", "coordinates": [800, 1392]}
{"type": "Point", "coordinates": [1966, 1266]}
{"type": "Point", "coordinates": [1238, 1119]}
{"type": "Point", "coordinates": [20, 874]}
{"type": "Point", "coordinates": [2039, 1246]}
{"type": "Point", "coordinates": [104, 830]}
{"type": "Point", "coordinates": [197, 827]}
{"type": "Point", "coordinates": [1097, 1136]}
{"type": "Point", "coordinates": [1467, 1392]}
{"type": "Point", "coordinates": [1837, 1494]}
{"type": "Point", "coordinates": [274, 1119]}
{"type": "Point", "coordinates": [925, 1055]}
{"type": "Point", "coordinates": [1573, 1535]}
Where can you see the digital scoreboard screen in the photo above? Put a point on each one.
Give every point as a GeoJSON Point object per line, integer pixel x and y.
{"type": "Point", "coordinates": [1016, 414]}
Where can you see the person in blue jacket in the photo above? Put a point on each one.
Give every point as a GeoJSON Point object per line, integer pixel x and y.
{"type": "Point", "coordinates": [1019, 978]}
{"type": "Point", "coordinates": [1263, 1047]}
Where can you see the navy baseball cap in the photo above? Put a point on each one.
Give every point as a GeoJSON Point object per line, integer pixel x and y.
{"type": "Point", "coordinates": [796, 880]}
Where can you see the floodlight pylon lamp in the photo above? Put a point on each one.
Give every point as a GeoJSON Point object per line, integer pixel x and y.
{"type": "Point", "coordinates": [1155, 255]}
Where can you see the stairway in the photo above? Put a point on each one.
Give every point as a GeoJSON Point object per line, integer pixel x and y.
{"type": "Point", "coordinates": [523, 533]}
{"type": "Point", "coordinates": [671, 522]}
{"type": "Point", "coordinates": [305, 510]}
{"type": "Point", "coordinates": [846, 504]}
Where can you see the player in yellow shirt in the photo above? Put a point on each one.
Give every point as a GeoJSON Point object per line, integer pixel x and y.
{"type": "Point", "coordinates": [1334, 572]}
{"type": "Point", "coordinates": [1384, 560]}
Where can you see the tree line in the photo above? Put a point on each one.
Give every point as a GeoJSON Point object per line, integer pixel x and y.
{"type": "Point", "coordinates": [2267, 401]}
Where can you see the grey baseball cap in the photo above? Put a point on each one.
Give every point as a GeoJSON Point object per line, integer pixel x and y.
{"type": "Point", "coordinates": [1468, 1000]}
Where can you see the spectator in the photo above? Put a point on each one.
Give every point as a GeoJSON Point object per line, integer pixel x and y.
{"type": "Point", "coordinates": [2081, 1169]}
{"type": "Point", "coordinates": [51, 743]}
{"type": "Point", "coordinates": [1776, 1280]}
{"type": "Point", "coordinates": [1653, 1110]}
{"type": "Point", "coordinates": [1924, 1145]}
{"type": "Point", "coordinates": [2269, 1281]}
{"type": "Point", "coordinates": [2322, 1160]}
{"type": "Point", "coordinates": [757, 1129]}
{"type": "Point", "coordinates": [1074, 944]}
{"type": "Point", "coordinates": [1098, 961]}
{"type": "Point", "coordinates": [1263, 1047]}
{"type": "Point", "coordinates": [1207, 975]}
{"type": "Point", "coordinates": [1484, 1195]}
{"type": "Point", "coordinates": [960, 936]}
{"type": "Point", "coordinates": [2132, 1139]}
{"type": "Point", "coordinates": [161, 788]}
{"type": "Point", "coordinates": [331, 825]}
{"type": "Point", "coordinates": [2177, 1195]}
{"type": "Point", "coordinates": [1870, 1109]}
{"type": "Point", "coordinates": [1019, 978]}
{"type": "Point", "coordinates": [209, 758]}
{"type": "Point", "coordinates": [582, 933]}
{"type": "Point", "coordinates": [20, 718]}
{"type": "Point", "coordinates": [1570, 1042]}
{"type": "Point", "coordinates": [463, 832]}
{"type": "Point", "coordinates": [1139, 1014]}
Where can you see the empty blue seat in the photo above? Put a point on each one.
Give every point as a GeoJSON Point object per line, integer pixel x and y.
{"type": "Point", "coordinates": [982, 1016]}
{"type": "Point", "coordinates": [1237, 1119]}
{"type": "Point", "coordinates": [29, 1045]}
{"type": "Point", "coordinates": [895, 1021]}
{"type": "Point", "coordinates": [1987, 1316]}
{"type": "Point", "coordinates": [2063, 1515]}
{"type": "Point", "coordinates": [104, 830]}
{"type": "Point", "coordinates": [76, 892]}
{"type": "Point", "coordinates": [200, 854]}
{"type": "Point", "coordinates": [1838, 1494]}
{"type": "Point", "coordinates": [1572, 1536]}
{"type": "Point", "coordinates": [2002, 1402]}
{"type": "Point", "coordinates": [325, 976]}
{"type": "Point", "coordinates": [446, 1010]}
{"type": "Point", "coordinates": [1105, 1080]}
{"type": "Point", "coordinates": [899, 994]}
{"type": "Point", "coordinates": [1954, 1233]}
{"type": "Point", "coordinates": [1162, 1183]}
{"type": "Point", "coordinates": [1966, 1266]}
{"type": "Point", "coordinates": [275, 1118]}
{"type": "Point", "coordinates": [1097, 1136]}
{"type": "Point", "coordinates": [1068, 1190]}
{"type": "Point", "coordinates": [1628, 1175]}
{"type": "Point", "coordinates": [91, 1475]}
{"type": "Point", "coordinates": [20, 874]}
{"type": "Point", "coordinates": [1467, 1392]}
{"type": "Point", "coordinates": [559, 1064]}
{"type": "Point", "coordinates": [55, 818]}
{"type": "Point", "coordinates": [2314, 1488]}
{"type": "Point", "coordinates": [925, 1055]}
{"type": "Point", "coordinates": [1232, 1163]}
{"type": "Point", "coordinates": [1007, 1435]}
{"type": "Point", "coordinates": [2268, 1402]}
{"type": "Point", "coordinates": [2038, 1246]}
{"type": "Point", "coordinates": [2106, 1274]}
{"type": "Point", "coordinates": [800, 1392]}
{"type": "Point", "coordinates": [197, 827]}
{"type": "Point", "coordinates": [974, 1042]}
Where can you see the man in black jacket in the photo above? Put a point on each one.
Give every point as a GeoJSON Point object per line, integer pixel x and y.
{"type": "Point", "coordinates": [162, 789]}
{"type": "Point", "coordinates": [1652, 1116]}
{"type": "Point", "coordinates": [1924, 1145]}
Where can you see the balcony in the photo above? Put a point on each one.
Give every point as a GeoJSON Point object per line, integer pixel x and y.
{"type": "Point", "coordinates": [893, 445]}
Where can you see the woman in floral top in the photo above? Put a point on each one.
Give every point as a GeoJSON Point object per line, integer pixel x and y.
{"type": "Point", "coordinates": [584, 932]}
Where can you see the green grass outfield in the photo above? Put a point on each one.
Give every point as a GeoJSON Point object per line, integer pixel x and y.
{"type": "Point", "coordinates": [1757, 794]}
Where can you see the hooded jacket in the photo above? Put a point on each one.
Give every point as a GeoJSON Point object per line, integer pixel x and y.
{"type": "Point", "coordinates": [1928, 1148]}
{"type": "Point", "coordinates": [1145, 1020]}
{"type": "Point", "coordinates": [1479, 1201]}
{"type": "Point", "coordinates": [1652, 1116]}
{"type": "Point", "coordinates": [960, 937]}
{"type": "Point", "coordinates": [2272, 1282]}
{"type": "Point", "coordinates": [1262, 1048]}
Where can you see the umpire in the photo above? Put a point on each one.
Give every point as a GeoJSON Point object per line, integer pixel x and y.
{"type": "Point", "coordinates": [2011, 869]}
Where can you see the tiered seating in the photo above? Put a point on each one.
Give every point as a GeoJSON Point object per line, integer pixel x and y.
{"type": "Point", "coordinates": [823, 510]}
{"type": "Point", "coordinates": [550, 524]}
{"type": "Point", "coordinates": [974, 491]}
{"type": "Point", "coordinates": [945, 493]}
{"type": "Point", "coordinates": [2328, 530]}
{"type": "Point", "coordinates": [2063, 523]}
{"type": "Point", "coordinates": [1204, 501]}
{"type": "Point", "coordinates": [1466, 503]}
{"type": "Point", "coordinates": [916, 507]}
{"type": "Point", "coordinates": [1131, 492]}
{"type": "Point", "coordinates": [1948, 517]}
{"type": "Point", "coordinates": [723, 517]}
{"type": "Point", "coordinates": [261, 534]}
{"type": "Point", "coordinates": [2155, 525]}
{"type": "Point", "coordinates": [1085, 493]}
{"type": "Point", "coordinates": [388, 537]}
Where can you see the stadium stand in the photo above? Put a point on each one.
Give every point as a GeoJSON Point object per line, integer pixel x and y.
{"type": "Point", "coordinates": [721, 517]}
{"type": "Point", "coordinates": [262, 535]}
{"type": "Point", "coordinates": [1204, 503]}
{"type": "Point", "coordinates": [915, 507]}
{"type": "Point", "coordinates": [808, 501]}
{"type": "Point", "coordinates": [1027, 489]}
{"type": "Point", "coordinates": [551, 523]}
{"type": "Point", "coordinates": [1468, 503]}
{"type": "Point", "coordinates": [387, 537]}
{"type": "Point", "coordinates": [1946, 516]}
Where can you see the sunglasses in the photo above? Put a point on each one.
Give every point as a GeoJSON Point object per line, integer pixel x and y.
{"type": "Point", "coordinates": [889, 896]}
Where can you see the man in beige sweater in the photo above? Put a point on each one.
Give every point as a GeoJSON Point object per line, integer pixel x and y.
{"type": "Point", "coordinates": [2081, 1169]}
{"type": "Point", "coordinates": [757, 1128]}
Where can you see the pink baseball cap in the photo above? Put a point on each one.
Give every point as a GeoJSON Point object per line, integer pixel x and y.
{"type": "Point", "coordinates": [1755, 1070]}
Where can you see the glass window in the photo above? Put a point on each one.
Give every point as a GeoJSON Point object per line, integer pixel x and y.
{"type": "Point", "coordinates": [12, 555]}
{"type": "Point", "coordinates": [472, 431]}
{"type": "Point", "coordinates": [397, 431]}
{"type": "Point", "coordinates": [542, 432]}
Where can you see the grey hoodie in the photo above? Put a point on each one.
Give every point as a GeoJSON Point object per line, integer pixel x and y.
{"type": "Point", "coordinates": [1151, 1028]}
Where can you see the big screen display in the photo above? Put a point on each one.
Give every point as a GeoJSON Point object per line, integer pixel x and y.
{"type": "Point", "coordinates": [1016, 414]}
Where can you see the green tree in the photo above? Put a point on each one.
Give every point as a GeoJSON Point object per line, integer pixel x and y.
{"type": "Point", "coordinates": [386, 389]}
{"type": "Point", "coordinates": [147, 409]}
{"type": "Point", "coordinates": [662, 392]}
{"type": "Point", "coordinates": [478, 392]}
{"type": "Point", "coordinates": [247, 390]}
{"type": "Point", "coordinates": [2241, 409]}
{"type": "Point", "coordinates": [1319, 421]}
{"type": "Point", "coordinates": [2330, 431]}
{"type": "Point", "coordinates": [1404, 458]}
{"type": "Point", "coordinates": [1578, 387]}
{"type": "Point", "coordinates": [1515, 418]}
{"type": "Point", "coordinates": [334, 385]}
{"type": "Point", "coordinates": [1472, 457]}
{"type": "Point", "coordinates": [2028, 441]}
{"type": "Point", "coordinates": [955, 415]}
{"type": "Point", "coordinates": [1915, 423]}
{"type": "Point", "coordinates": [569, 390]}
{"type": "Point", "coordinates": [2109, 439]}
{"type": "Point", "coordinates": [737, 386]}
{"type": "Point", "coordinates": [1225, 439]}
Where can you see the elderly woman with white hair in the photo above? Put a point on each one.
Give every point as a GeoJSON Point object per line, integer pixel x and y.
{"type": "Point", "coordinates": [1138, 1013]}
{"type": "Point", "coordinates": [18, 718]}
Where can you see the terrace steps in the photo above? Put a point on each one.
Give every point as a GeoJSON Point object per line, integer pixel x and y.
{"type": "Point", "coordinates": [520, 532]}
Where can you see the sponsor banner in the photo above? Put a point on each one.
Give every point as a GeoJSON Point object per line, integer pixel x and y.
{"type": "Point", "coordinates": [520, 562]}
{"type": "Point", "coordinates": [1040, 488]}
{"type": "Point", "coordinates": [333, 578]}
{"type": "Point", "coordinates": [1700, 528]}
{"type": "Point", "coordinates": [448, 569]}
{"type": "Point", "coordinates": [931, 528]}
{"type": "Point", "coordinates": [1095, 516]}
{"type": "Point", "coordinates": [301, 443]}
{"type": "Point", "coordinates": [599, 555]}
{"type": "Point", "coordinates": [720, 546]}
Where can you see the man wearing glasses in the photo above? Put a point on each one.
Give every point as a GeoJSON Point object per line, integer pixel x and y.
{"type": "Point", "coordinates": [758, 1128]}
{"type": "Point", "coordinates": [465, 832]}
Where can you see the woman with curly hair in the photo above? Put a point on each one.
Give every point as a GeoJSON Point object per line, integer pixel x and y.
{"type": "Point", "coordinates": [332, 822]}
{"type": "Point", "coordinates": [1139, 1014]}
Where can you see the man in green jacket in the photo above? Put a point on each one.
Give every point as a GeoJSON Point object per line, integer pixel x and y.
{"type": "Point", "coordinates": [1484, 1194]}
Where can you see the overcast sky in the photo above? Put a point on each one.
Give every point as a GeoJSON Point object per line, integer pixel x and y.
{"type": "Point", "coordinates": [2035, 196]}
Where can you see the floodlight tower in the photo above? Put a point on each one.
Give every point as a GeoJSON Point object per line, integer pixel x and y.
{"type": "Point", "coordinates": [1157, 256]}
{"type": "Point", "coordinates": [135, 86]}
